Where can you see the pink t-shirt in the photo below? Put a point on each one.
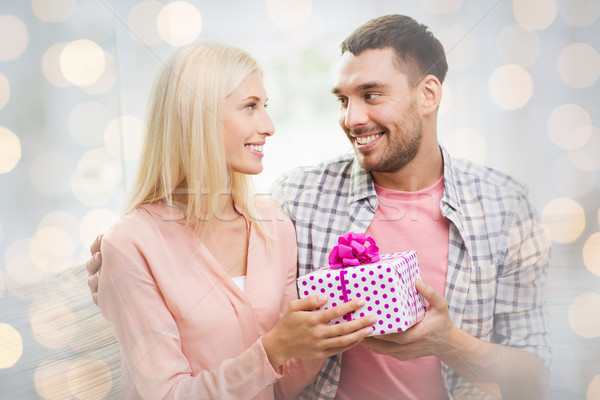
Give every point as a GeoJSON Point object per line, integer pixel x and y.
{"type": "Point", "coordinates": [403, 221]}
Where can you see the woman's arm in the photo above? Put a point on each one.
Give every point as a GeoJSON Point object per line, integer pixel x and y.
{"type": "Point", "coordinates": [153, 361]}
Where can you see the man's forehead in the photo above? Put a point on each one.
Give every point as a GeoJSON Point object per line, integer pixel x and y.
{"type": "Point", "coordinates": [368, 67]}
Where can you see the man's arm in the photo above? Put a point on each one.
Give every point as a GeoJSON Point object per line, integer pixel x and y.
{"type": "Point", "coordinates": [93, 267]}
{"type": "Point", "coordinates": [503, 371]}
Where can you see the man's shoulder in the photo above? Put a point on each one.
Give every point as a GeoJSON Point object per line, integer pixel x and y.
{"type": "Point", "coordinates": [483, 179]}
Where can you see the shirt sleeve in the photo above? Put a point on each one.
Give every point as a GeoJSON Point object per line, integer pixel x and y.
{"type": "Point", "coordinates": [521, 318]}
{"type": "Point", "coordinates": [153, 364]}
{"type": "Point", "coordinates": [297, 372]}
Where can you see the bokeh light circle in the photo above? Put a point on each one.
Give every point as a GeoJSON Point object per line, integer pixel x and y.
{"type": "Point", "coordinates": [20, 268]}
{"type": "Point", "coordinates": [579, 13]}
{"type": "Point", "coordinates": [89, 379]}
{"type": "Point", "coordinates": [593, 391]}
{"type": "Point", "coordinates": [579, 65]}
{"type": "Point", "coordinates": [10, 150]}
{"type": "Point", "coordinates": [569, 126]}
{"type": "Point", "coordinates": [94, 223]}
{"type": "Point", "coordinates": [51, 380]}
{"type": "Point", "coordinates": [50, 173]}
{"type": "Point", "coordinates": [442, 7]}
{"type": "Point", "coordinates": [535, 14]}
{"type": "Point", "coordinates": [52, 249]}
{"type": "Point", "coordinates": [124, 137]}
{"type": "Point", "coordinates": [51, 66]}
{"type": "Point", "coordinates": [14, 37]}
{"type": "Point", "coordinates": [179, 23]}
{"type": "Point", "coordinates": [460, 46]}
{"type": "Point", "coordinates": [511, 87]}
{"type": "Point", "coordinates": [142, 22]}
{"type": "Point", "coordinates": [580, 312]}
{"type": "Point", "coordinates": [52, 321]}
{"type": "Point", "coordinates": [517, 45]}
{"type": "Point", "coordinates": [11, 346]}
{"type": "Point", "coordinates": [4, 91]}
{"type": "Point", "coordinates": [53, 11]}
{"type": "Point", "coordinates": [467, 143]}
{"type": "Point", "coordinates": [591, 254]}
{"type": "Point", "coordinates": [87, 123]}
{"type": "Point", "coordinates": [82, 62]}
{"type": "Point", "coordinates": [65, 221]}
{"type": "Point", "coordinates": [564, 219]}
{"type": "Point", "coordinates": [571, 181]}
{"type": "Point", "coordinates": [96, 177]}
{"type": "Point", "coordinates": [289, 13]}
{"type": "Point", "coordinates": [107, 80]}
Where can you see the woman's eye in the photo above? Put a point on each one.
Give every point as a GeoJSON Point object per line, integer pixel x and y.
{"type": "Point", "coordinates": [251, 106]}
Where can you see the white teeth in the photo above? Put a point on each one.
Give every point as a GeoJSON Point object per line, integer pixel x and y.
{"type": "Point", "coordinates": [366, 139]}
{"type": "Point", "coordinates": [254, 147]}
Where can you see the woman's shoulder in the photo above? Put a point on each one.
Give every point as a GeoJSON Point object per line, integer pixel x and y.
{"type": "Point", "coordinates": [140, 223]}
{"type": "Point", "coordinates": [270, 212]}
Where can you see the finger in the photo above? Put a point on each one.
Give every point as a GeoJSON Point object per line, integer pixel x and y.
{"type": "Point", "coordinates": [347, 341]}
{"type": "Point", "coordinates": [95, 246]}
{"type": "Point", "coordinates": [93, 283]}
{"type": "Point", "coordinates": [341, 310]}
{"type": "Point", "coordinates": [93, 264]}
{"type": "Point", "coordinates": [429, 293]}
{"type": "Point", "coordinates": [308, 303]}
{"type": "Point", "coordinates": [95, 298]}
{"type": "Point", "coordinates": [379, 346]}
{"type": "Point", "coordinates": [349, 327]}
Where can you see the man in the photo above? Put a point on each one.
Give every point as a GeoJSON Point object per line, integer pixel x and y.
{"type": "Point", "coordinates": [482, 255]}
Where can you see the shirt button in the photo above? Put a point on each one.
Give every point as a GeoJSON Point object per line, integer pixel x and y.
{"type": "Point", "coordinates": [328, 388]}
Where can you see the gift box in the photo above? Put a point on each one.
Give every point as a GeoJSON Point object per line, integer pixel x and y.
{"type": "Point", "coordinates": [387, 285]}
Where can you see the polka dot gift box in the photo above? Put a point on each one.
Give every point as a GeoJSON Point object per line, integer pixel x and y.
{"type": "Point", "coordinates": [386, 282]}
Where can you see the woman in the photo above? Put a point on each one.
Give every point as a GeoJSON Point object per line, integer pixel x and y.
{"type": "Point", "coordinates": [197, 279]}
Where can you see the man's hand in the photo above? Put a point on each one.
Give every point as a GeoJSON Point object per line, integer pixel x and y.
{"type": "Point", "coordinates": [93, 267]}
{"type": "Point", "coordinates": [427, 337]}
{"type": "Point", "coordinates": [502, 371]}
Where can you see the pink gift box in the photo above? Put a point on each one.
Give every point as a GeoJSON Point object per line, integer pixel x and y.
{"type": "Point", "coordinates": [388, 286]}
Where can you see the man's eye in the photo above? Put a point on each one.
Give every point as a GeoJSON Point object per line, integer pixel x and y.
{"type": "Point", "coordinates": [371, 96]}
{"type": "Point", "coordinates": [342, 100]}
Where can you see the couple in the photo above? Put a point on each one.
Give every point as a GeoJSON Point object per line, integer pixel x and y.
{"type": "Point", "coordinates": [198, 279]}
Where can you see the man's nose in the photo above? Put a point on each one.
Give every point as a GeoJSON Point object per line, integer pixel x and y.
{"type": "Point", "coordinates": [356, 115]}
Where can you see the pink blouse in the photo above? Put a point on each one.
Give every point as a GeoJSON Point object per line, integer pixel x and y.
{"type": "Point", "coordinates": [185, 329]}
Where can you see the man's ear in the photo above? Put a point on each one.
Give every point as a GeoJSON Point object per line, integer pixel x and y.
{"type": "Point", "coordinates": [430, 94]}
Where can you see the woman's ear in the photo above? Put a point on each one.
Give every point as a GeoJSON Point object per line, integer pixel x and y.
{"type": "Point", "coordinates": [430, 94]}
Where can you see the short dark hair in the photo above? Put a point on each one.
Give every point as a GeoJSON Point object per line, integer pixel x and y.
{"type": "Point", "coordinates": [418, 52]}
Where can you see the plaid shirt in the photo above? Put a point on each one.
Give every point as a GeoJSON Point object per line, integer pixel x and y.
{"type": "Point", "coordinates": [497, 262]}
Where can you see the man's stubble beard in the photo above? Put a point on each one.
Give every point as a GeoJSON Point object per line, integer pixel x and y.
{"type": "Point", "coordinates": [400, 149]}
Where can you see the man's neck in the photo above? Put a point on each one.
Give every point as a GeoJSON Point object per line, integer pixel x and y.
{"type": "Point", "coordinates": [422, 172]}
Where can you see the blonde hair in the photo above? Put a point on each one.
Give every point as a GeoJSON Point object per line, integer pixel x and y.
{"type": "Point", "coordinates": [183, 152]}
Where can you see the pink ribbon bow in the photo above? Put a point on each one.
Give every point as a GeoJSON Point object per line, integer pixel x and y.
{"type": "Point", "coordinates": [353, 249]}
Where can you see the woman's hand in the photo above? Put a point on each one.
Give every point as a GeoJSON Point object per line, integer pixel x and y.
{"type": "Point", "coordinates": [304, 332]}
